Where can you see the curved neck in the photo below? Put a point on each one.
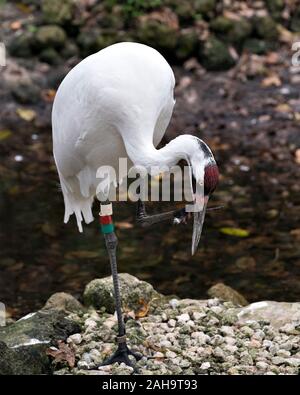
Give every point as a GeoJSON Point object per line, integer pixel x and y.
{"type": "Point", "coordinates": [156, 160]}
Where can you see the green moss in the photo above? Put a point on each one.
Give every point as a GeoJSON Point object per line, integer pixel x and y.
{"type": "Point", "coordinates": [233, 31]}
{"type": "Point", "coordinates": [187, 45]}
{"type": "Point", "coordinates": [157, 35]}
{"type": "Point", "coordinates": [50, 36]}
{"type": "Point", "coordinates": [266, 28]}
{"type": "Point", "coordinates": [215, 55]}
{"type": "Point", "coordinates": [57, 11]}
{"type": "Point", "coordinates": [256, 46]}
{"type": "Point", "coordinates": [205, 7]}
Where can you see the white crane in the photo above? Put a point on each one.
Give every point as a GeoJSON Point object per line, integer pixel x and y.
{"type": "Point", "coordinates": [117, 103]}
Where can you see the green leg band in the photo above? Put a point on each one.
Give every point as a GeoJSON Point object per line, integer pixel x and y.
{"type": "Point", "coordinates": [107, 228]}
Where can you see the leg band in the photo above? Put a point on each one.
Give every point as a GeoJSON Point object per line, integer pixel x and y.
{"type": "Point", "coordinates": [105, 209]}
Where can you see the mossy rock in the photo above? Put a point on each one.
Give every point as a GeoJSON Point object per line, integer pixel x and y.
{"type": "Point", "coordinates": [134, 293]}
{"type": "Point", "coordinates": [185, 11]}
{"type": "Point", "coordinates": [50, 36]}
{"type": "Point", "coordinates": [215, 56]}
{"type": "Point", "coordinates": [157, 35]}
{"type": "Point", "coordinates": [90, 42]}
{"type": "Point", "coordinates": [266, 28]}
{"type": "Point", "coordinates": [21, 46]}
{"type": "Point", "coordinates": [51, 56]}
{"type": "Point", "coordinates": [187, 45]}
{"type": "Point", "coordinates": [205, 7]}
{"type": "Point", "coordinates": [295, 24]}
{"type": "Point", "coordinates": [57, 11]}
{"type": "Point", "coordinates": [233, 31]}
{"type": "Point", "coordinates": [227, 294]}
{"type": "Point", "coordinates": [23, 344]}
{"type": "Point", "coordinates": [70, 50]}
{"type": "Point", "coordinates": [275, 8]}
{"type": "Point", "coordinates": [256, 46]}
{"type": "Point", "coordinates": [221, 25]}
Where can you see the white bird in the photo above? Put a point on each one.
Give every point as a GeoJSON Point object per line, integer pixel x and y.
{"type": "Point", "coordinates": [117, 103]}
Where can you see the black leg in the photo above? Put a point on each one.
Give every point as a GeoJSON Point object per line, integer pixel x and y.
{"type": "Point", "coordinates": [177, 216]}
{"type": "Point", "coordinates": [122, 353]}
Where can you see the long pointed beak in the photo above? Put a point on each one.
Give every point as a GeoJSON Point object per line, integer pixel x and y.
{"type": "Point", "coordinates": [199, 217]}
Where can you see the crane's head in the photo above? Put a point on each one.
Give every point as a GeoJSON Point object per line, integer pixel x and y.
{"type": "Point", "coordinates": [205, 176]}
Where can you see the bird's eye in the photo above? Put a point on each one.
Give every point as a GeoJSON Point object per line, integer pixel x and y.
{"type": "Point", "coordinates": [211, 179]}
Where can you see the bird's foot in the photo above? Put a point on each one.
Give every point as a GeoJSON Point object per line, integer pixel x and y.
{"type": "Point", "coordinates": [122, 355]}
{"type": "Point", "coordinates": [181, 217]}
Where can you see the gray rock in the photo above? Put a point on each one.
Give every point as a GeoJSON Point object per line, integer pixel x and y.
{"type": "Point", "coordinates": [226, 293]}
{"type": "Point", "coordinates": [134, 293]}
{"type": "Point", "coordinates": [23, 344]}
{"type": "Point", "coordinates": [277, 313]}
{"type": "Point", "coordinates": [63, 302]}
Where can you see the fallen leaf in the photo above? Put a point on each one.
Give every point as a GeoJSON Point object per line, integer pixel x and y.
{"type": "Point", "coordinates": [16, 25]}
{"type": "Point", "coordinates": [144, 310]}
{"type": "Point", "coordinates": [285, 35]}
{"type": "Point", "coordinates": [48, 95]}
{"type": "Point", "coordinates": [26, 114]}
{"type": "Point", "coordinates": [64, 353]}
{"type": "Point", "coordinates": [124, 225]}
{"type": "Point", "coordinates": [165, 16]}
{"type": "Point", "coordinates": [237, 232]}
{"type": "Point", "coordinates": [4, 134]}
{"type": "Point", "coordinates": [272, 58]}
{"type": "Point", "coordinates": [283, 108]}
{"type": "Point", "coordinates": [272, 80]}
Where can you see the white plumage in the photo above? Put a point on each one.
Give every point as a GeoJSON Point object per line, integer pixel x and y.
{"type": "Point", "coordinates": [116, 104]}
{"type": "Point", "coordinates": [122, 95]}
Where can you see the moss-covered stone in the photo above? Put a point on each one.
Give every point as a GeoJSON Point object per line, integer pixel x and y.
{"type": "Point", "coordinates": [157, 35]}
{"type": "Point", "coordinates": [21, 46]}
{"type": "Point", "coordinates": [215, 56]}
{"type": "Point", "coordinates": [256, 46]}
{"type": "Point", "coordinates": [233, 31]}
{"type": "Point", "coordinates": [135, 293]}
{"type": "Point", "coordinates": [295, 24]}
{"type": "Point", "coordinates": [90, 42]}
{"type": "Point", "coordinates": [50, 55]}
{"type": "Point", "coordinates": [221, 25]}
{"type": "Point", "coordinates": [62, 301]}
{"type": "Point", "coordinates": [185, 11]}
{"type": "Point", "coordinates": [50, 36]}
{"type": "Point", "coordinates": [227, 294]}
{"type": "Point", "coordinates": [266, 28]}
{"type": "Point", "coordinates": [187, 45]}
{"type": "Point", "coordinates": [275, 8]}
{"type": "Point", "coordinates": [23, 344]}
{"type": "Point", "coordinates": [57, 11]}
{"type": "Point", "coordinates": [205, 7]}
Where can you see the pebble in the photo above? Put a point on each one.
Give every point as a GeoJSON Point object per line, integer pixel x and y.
{"type": "Point", "coordinates": [183, 317]}
{"type": "Point", "coordinates": [227, 330]}
{"type": "Point", "coordinates": [76, 338]}
{"type": "Point", "coordinates": [205, 366]}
